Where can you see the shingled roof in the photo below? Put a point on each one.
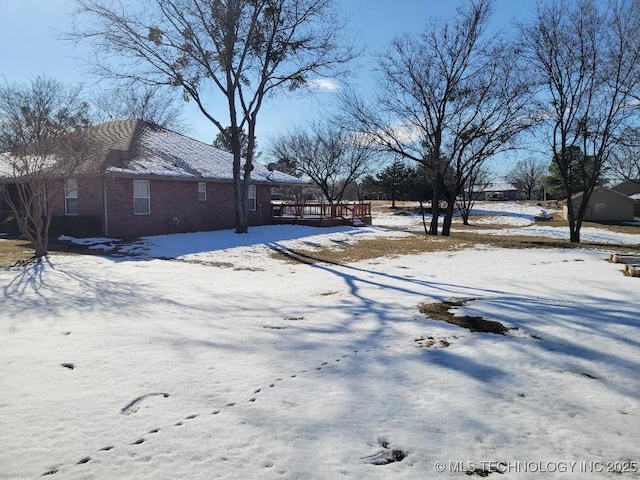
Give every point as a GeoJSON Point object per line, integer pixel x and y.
{"type": "Point", "coordinates": [628, 187]}
{"type": "Point", "coordinates": [136, 147]}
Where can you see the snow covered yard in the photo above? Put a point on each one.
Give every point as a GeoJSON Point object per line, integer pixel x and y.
{"type": "Point", "coordinates": [205, 357]}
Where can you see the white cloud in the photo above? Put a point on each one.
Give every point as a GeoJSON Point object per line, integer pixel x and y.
{"type": "Point", "coordinates": [323, 85]}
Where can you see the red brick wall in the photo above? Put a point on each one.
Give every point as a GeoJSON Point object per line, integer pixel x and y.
{"type": "Point", "coordinates": [178, 198]}
{"type": "Point", "coordinates": [169, 199]}
{"type": "Point", "coordinates": [89, 197]}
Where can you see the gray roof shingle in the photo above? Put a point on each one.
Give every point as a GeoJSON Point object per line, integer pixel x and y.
{"type": "Point", "coordinates": [156, 151]}
{"type": "Point", "coordinates": [139, 148]}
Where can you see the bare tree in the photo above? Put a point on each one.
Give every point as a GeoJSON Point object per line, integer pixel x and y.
{"type": "Point", "coordinates": [527, 175]}
{"type": "Point", "coordinates": [477, 181]}
{"type": "Point", "coordinates": [447, 99]}
{"type": "Point", "coordinates": [624, 162]}
{"type": "Point", "coordinates": [147, 102]}
{"type": "Point", "coordinates": [331, 156]}
{"type": "Point", "coordinates": [239, 51]}
{"type": "Point", "coordinates": [587, 58]}
{"type": "Point", "coordinates": [42, 127]}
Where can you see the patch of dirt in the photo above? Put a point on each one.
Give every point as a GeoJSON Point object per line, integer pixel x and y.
{"type": "Point", "coordinates": [442, 311]}
{"type": "Point", "coordinates": [433, 342]}
{"type": "Point", "coordinates": [481, 472]}
{"type": "Point", "coordinates": [387, 455]}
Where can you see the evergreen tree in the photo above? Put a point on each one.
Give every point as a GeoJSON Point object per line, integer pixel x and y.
{"type": "Point", "coordinates": [396, 180]}
{"type": "Point", "coordinates": [581, 168]}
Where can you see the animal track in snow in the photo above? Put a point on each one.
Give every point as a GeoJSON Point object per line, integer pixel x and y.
{"type": "Point", "coordinates": [134, 405]}
{"type": "Point", "coordinates": [386, 456]}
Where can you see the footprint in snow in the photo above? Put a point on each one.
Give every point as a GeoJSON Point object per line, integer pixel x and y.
{"type": "Point", "coordinates": [134, 405]}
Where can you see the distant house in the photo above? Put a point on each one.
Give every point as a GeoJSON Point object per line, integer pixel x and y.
{"type": "Point", "coordinates": [605, 205]}
{"type": "Point", "coordinates": [497, 192]}
{"type": "Point", "coordinates": [148, 180]}
{"type": "Point", "coordinates": [630, 188]}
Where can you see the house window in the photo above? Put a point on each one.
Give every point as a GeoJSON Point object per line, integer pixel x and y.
{"type": "Point", "coordinates": [71, 196]}
{"type": "Point", "coordinates": [202, 191]}
{"type": "Point", "coordinates": [252, 198]}
{"type": "Point", "coordinates": [141, 197]}
{"type": "Point", "coordinates": [599, 207]}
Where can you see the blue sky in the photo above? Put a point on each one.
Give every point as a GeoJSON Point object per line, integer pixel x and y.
{"type": "Point", "coordinates": [29, 47]}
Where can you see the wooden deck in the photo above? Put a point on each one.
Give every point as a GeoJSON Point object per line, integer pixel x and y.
{"type": "Point", "coordinates": [322, 214]}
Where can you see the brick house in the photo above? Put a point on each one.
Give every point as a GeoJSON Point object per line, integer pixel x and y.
{"type": "Point", "coordinates": [148, 180]}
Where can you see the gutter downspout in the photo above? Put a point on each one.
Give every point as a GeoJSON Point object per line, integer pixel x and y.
{"type": "Point", "coordinates": [106, 218]}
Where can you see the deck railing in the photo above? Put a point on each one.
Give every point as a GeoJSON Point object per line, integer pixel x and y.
{"type": "Point", "coordinates": [347, 212]}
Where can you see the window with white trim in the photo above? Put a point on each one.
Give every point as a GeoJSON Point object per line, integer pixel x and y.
{"type": "Point", "coordinates": [252, 198]}
{"type": "Point", "coordinates": [71, 196]}
{"type": "Point", "coordinates": [141, 197]}
{"type": "Point", "coordinates": [202, 191]}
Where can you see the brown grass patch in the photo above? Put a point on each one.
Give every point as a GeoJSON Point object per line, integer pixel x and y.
{"type": "Point", "coordinates": [18, 251]}
{"type": "Point", "coordinates": [416, 243]}
{"type": "Point", "coordinates": [373, 248]}
{"type": "Point", "coordinates": [441, 311]}
{"type": "Point", "coordinates": [464, 236]}
{"type": "Point", "coordinates": [14, 252]}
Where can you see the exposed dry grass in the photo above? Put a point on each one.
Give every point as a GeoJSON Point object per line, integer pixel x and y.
{"type": "Point", "coordinates": [420, 243]}
{"type": "Point", "coordinates": [442, 311]}
{"type": "Point", "coordinates": [14, 251]}
{"type": "Point", "coordinates": [372, 248]}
